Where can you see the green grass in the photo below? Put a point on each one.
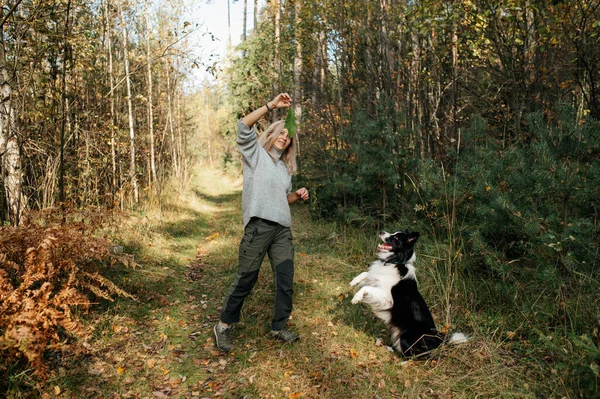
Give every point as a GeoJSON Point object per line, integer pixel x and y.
{"type": "Point", "coordinates": [160, 345]}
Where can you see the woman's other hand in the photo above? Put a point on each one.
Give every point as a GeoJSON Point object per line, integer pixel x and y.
{"type": "Point", "coordinates": [302, 193]}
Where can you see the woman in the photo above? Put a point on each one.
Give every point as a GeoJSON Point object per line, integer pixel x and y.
{"type": "Point", "coordinates": [269, 163]}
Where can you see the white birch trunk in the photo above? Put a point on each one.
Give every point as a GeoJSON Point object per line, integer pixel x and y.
{"type": "Point", "coordinates": [10, 153]}
{"type": "Point", "coordinates": [150, 105]}
{"type": "Point", "coordinates": [111, 76]}
{"type": "Point", "coordinates": [298, 67]}
{"type": "Point", "coordinates": [174, 155]}
{"type": "Point", "coordinates": [132, 172]}
{"type": "Point", "coordinates": [276, 58]}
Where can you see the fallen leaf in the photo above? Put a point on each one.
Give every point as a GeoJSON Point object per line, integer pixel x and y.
{"type": "Point", "coordinates": [159, 394]}
{"type": "Point", "coordinates": [120, 370]}
{"type": "Point", "coordinates": [151, 363]}
{"type": "Point", "coordinates": [353, 354]}
{"type": "Point", "coordinates": [56, 390]}
{"type": "Point", "coordinates": [295, 395]}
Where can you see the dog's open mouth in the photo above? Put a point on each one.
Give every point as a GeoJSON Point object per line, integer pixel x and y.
{"type": "Point", "coordinates": [384, 247]}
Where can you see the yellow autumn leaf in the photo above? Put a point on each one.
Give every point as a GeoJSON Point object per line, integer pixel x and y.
{"type": "Point", "coordinates": [212, 236]}
{"type": "Point", "coordinates": [353, 353]}
{"type": "Point", "coordinates": [120, 370]}
{"type": "Point", "coordinates": [151, 363]}
{"type": "Point", "coordinates": [295, 395]}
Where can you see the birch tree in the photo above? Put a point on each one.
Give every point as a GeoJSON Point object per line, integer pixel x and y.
{"type": "Point", "coordinates": [10, 152]}
{"type": "Point", "coordinates": [298, 63]}
{"type": "Point", "coordinates": [132, 169]}
{"type": "Point", "coordinates": [149, 100]}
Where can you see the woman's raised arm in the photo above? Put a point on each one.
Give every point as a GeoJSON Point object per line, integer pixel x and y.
{"type": "Point", "coordinates": [282, 100]}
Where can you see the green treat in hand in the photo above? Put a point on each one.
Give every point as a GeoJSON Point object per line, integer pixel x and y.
{"type": "Point", "coordinates": [290, 123]}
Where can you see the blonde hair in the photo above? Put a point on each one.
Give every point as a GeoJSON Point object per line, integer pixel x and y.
{"type": "Point", "coordinates": [268, 138]}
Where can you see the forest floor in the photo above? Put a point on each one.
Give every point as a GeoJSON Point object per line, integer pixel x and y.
{"type": "Point", "coordinates": [161, 345]}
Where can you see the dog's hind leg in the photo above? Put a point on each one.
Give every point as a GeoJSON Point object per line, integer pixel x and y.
{"type": "Point", "coordinates": [359, 279]}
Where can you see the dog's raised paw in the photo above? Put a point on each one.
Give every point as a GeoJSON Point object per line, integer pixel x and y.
{"type": "Point", "coordinates": [357, 297]}
{"type": "Point", "coordinates": [357, 279]}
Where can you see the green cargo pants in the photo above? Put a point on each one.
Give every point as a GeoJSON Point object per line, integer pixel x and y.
{"type": "Point", "coordinates": [263, 237]}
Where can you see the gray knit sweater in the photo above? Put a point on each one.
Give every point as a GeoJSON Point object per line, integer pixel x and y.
{"type": "Point", "coordinates": [266, 183]}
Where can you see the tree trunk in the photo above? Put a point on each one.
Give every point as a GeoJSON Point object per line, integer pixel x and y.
{"type": "Point", "coordinates": [229, 23]}
{"type": "Point", "coordinates": [385, 49]}
{"type": "Point", "coordinates": [320, 65]}
{"type": "Point", "coordinates": [454, 105]}
{"type": "Point", "coordinates": [61, 179]}
{"type": "Point", "coordinates": [150, 105]}
{"type": "Point", "coordinates": [111, 76]}
{"type": "Point", "coordinates": [245, 18]}
{"type": "Point", "coordinates": [255, 14]}
{"type": "Point", "coordinates": [10, 152]}
{"type": "Point", "coordinates": [276, 58]}
{"type": "Point", "coordinates": [132, 171]}
{"type": "Point", "coordinates": [174, 156]}
{"type": "Point", "coordinates": [298, 65]}
{"type": "Point", "coordinates": [180, 138]}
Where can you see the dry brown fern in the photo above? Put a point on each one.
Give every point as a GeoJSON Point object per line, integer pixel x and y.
{"type": "Point", "coordinates": [48, 269]}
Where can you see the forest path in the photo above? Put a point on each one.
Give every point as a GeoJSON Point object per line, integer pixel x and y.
{"type": "Point", "coordinates": [161, 345]}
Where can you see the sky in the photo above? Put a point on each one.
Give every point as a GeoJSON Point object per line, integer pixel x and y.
{"type": "Point", "coordinates": [211, 15]}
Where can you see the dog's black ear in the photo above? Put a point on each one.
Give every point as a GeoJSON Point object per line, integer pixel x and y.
{"type": "Point", "coordinates": [413, 237]}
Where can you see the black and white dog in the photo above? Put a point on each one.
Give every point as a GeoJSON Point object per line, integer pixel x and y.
{"type": "Point", "coordinates": [390, 287]}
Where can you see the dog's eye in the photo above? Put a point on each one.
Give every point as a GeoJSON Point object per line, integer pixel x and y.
{"type": "Point", "coordinates": [396, 240]}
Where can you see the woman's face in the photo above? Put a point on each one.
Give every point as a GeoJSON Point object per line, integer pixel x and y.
{"type": "Point", "coordinates": [283, 141]}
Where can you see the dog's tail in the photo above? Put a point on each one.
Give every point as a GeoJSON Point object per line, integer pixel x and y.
{"type": "Point", "coordinates": [458, 338]}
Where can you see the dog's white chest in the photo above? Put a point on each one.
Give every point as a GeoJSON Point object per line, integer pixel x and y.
{"type": "Point", "coordinates": [383, 275]}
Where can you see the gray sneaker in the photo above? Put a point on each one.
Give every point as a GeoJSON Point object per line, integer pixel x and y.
{"type": "Point", "coordinates": [284, 335]}
{"type": "Point", "coordinates": [222, 338]}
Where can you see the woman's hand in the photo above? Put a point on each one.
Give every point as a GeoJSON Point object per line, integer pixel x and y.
{"type": "Point", "coordinates": [281, 101]}
{"type": "Point", "coordinates": [302, 193]}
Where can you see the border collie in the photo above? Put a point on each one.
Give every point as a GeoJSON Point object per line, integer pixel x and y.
{"type": "Point", "coordinates": [390, 287]}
